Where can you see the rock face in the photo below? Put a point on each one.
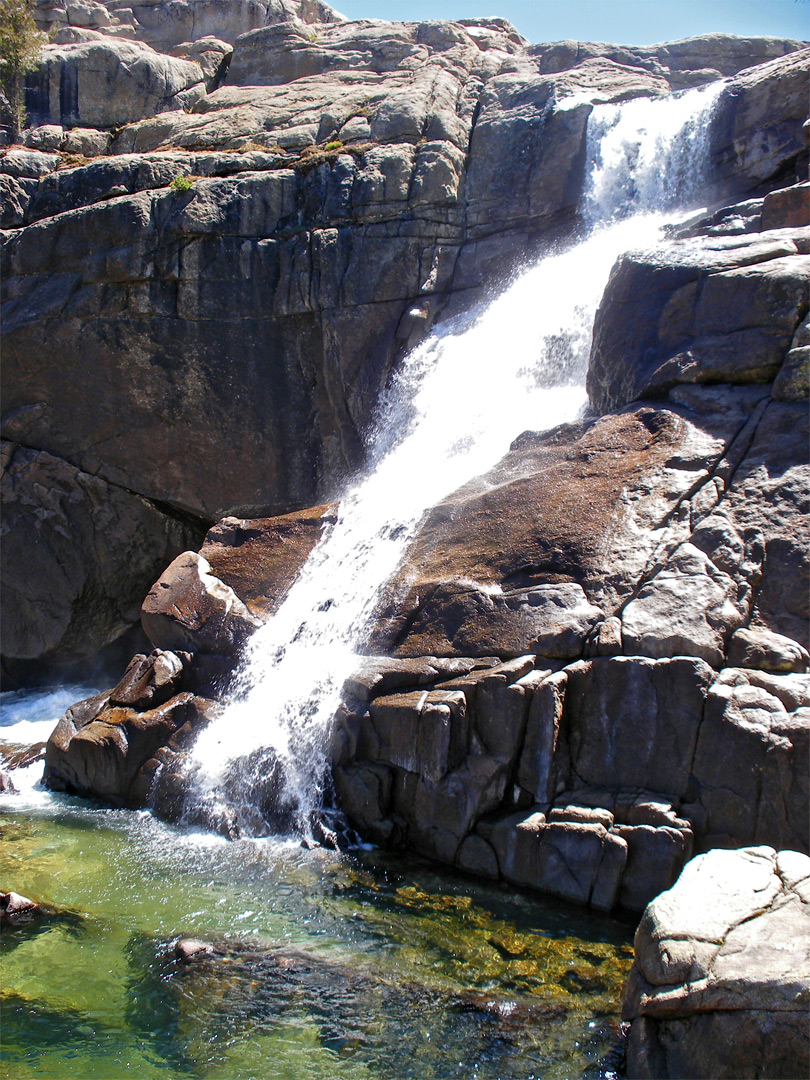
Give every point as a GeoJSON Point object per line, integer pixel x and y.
{"type": "Point", "coordinates": [128, 746]}
{"type": "Point", "coordinates": [675, 717]}
{"type": "Point", "coordinates": [593, 781]}
{"type": "Point", "coordinates": [721, 980]}
{"type": "Point", "coordinates": [90, 549]}
{"type": "Point", "coordinates": [722, 310]}
{"type": "Point", "coordinates": [345, 182]}
{"type": "Point", "coordinates": [105, 83]}
{"type": "Point", "coordinates": [593, 660]}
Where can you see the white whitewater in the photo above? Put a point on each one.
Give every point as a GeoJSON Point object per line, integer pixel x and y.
{"type": "Point", "coordinates": [456, 404]}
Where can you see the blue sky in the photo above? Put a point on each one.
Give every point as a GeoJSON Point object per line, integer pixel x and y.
{"type": "Point", "coordinates": [623, 22]}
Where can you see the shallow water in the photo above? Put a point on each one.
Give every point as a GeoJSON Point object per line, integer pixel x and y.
{"type": "Point", "coordinates": [353, 966]}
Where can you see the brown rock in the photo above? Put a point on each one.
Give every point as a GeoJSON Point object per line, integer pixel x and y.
{"type": "Point", "coordinates": [13, 906]}
{"type": "Point", "coordinates": [787, 208]}
{"type": "Point", "coordinates": [149, 681]}
{"type": "Point", "coordinates": [191, 610]}
{"type": "Point", "coordinates": [260, 558]}
{"type": "Point", "coordinates": [98, 749]}
{"type": "Point", "coordinates": [187, 950]}
{"type": "Point", "coordinates": [577, 509]}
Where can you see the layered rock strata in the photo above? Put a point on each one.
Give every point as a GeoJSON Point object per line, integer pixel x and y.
{"type": "Point", "coordinates": [720, 986]}
{"type": "Point", "coordinates": [235, 245]}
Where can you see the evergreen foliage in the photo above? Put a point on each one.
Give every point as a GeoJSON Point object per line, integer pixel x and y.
{"type": "Point", "coordinates": [20, 46]}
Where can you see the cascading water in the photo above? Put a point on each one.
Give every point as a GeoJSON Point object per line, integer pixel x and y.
{"type": "Point", "coordinates": [650, 154]}
{"type": "Point", "coordinates": [458, 401]}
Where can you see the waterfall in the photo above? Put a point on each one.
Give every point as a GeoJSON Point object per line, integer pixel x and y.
{"type": "Point", "coordinates": [457, 402]}
{"type": "Point", "coordinates": [649, 154]}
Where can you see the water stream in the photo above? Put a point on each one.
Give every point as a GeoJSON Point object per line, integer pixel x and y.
{"type": "Point", "coordinates": [457, 402]}
{"type": "Point", "coordinates": [327, 964]}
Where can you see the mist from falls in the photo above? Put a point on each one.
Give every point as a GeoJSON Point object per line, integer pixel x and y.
{"type": "Point", "coordinates": [455, 405]}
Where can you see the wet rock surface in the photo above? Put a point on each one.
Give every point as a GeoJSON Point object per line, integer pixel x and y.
{"type": "Point", "coordinates": [112, 751]}
{"type": "Point", "coordinates": [721, 979]}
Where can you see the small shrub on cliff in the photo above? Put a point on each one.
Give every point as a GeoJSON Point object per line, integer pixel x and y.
{"type": "Point", "coordinates": [182, 183]}
{"type": "Point", "coordinates": [20, 46]}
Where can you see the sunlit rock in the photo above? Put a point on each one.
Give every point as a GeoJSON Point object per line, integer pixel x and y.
{"type": "Point", "coordinates": [722, 971]}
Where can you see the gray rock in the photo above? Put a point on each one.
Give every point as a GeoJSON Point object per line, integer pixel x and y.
{"type": "Point", "coordinates": [421, 732]}
{"type": "Point", "coordinates": [689, 62]}
{"type": "Point", "coordinates": [721, 977]}
{"type": "Point", "coordinates": [749, 144]}
{"type": "Point", "coordinates": [462, 620]}
{"type": "Point", "coordinates": [767, 500]}
{"type": "Point", "coordinates": [560, 857]}
{"type": "Point", "coordinates": [77, 557]}
{"type": "Point", "coordinates": [633, 723]}
{"type": "Point", "coordinates": [690, 608]}
{"type": "Point", "coordinates": [750, 760]}
{"type": "Point", "coordinates": [477, 857]}
{"type": "Point", "coordinates": [715, 313]}
{"type": "Point", "coordinates": [752, 648]}
{"type": "Point", "coordinates": [73, 84]}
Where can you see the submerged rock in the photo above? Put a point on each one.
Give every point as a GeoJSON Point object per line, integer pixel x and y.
{"type": "Point", "coordinates": [15, 907]}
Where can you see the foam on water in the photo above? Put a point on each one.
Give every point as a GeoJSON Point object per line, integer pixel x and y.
{"type": "Point", "coordinates": [649, 154]}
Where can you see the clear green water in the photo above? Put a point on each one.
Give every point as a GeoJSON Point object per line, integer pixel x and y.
{"type": "Point", "coordinates": [360, 966]}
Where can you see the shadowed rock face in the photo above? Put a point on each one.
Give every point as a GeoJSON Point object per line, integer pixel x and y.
{"type": "Point", "coordinates": [77, 556]}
